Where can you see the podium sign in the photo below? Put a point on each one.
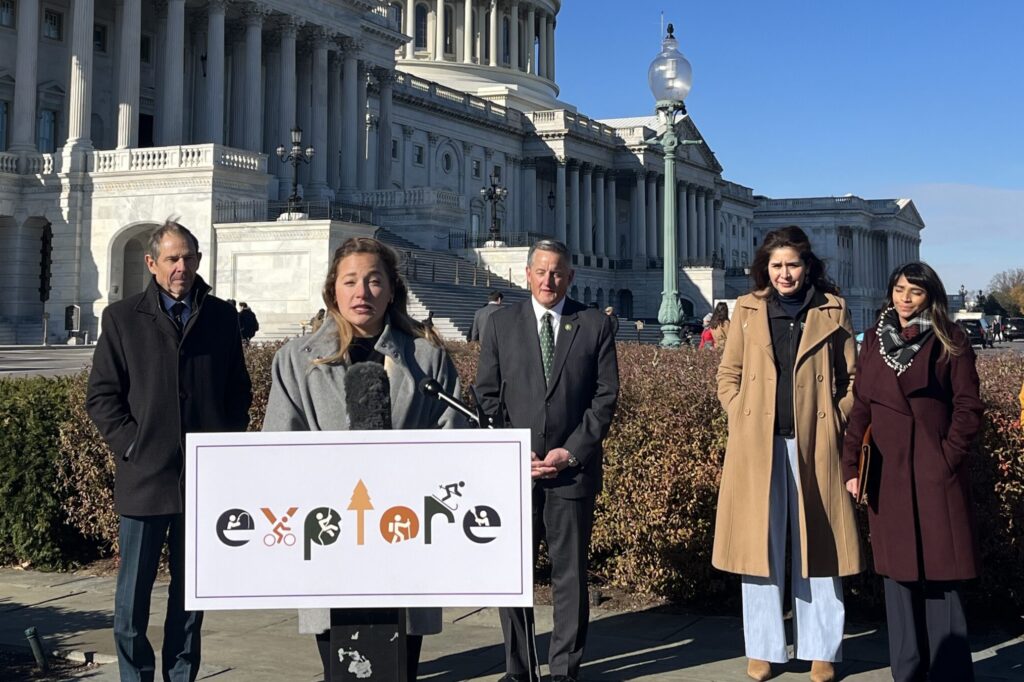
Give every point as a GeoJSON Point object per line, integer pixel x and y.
{"type": "Point", "coordinates": [358, 519]}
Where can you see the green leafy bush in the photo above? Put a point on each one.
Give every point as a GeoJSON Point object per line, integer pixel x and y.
{"type": "Point", "coordinates": [33, 527]}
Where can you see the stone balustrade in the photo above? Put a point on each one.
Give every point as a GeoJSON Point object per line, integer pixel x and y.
{"type": "Point", "coordinates": [563, 119]}
{"type": "Point", "coordinates": [456, 100]}
{"type": "Point", "coordinates": [8, 162]}
{"type": "Point", "coordinates": [175, 158]}
{"type": "Point", "coordinates": [418, 197]}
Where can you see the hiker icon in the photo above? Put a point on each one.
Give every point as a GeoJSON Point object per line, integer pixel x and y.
{"type": "Point", "coordinates": [450, 490]}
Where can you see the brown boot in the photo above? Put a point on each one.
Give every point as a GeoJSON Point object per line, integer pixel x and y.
{"type": "Point", "coordinates": [822, 671]}
{"type": "Point", "coordinates": [759, 670]}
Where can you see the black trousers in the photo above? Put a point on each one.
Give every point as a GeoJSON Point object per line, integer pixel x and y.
{"type": "Point", "coordinates": [927, 632]}
{"type": "Point", "coordinates": [565, 524]}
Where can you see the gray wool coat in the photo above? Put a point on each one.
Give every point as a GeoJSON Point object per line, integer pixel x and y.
{"type": "Point", "coordinates": [311, 397]}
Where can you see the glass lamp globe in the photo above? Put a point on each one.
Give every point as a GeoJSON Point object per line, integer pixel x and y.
{"type": "Point", "coordinates": [670, 75]}
{"type": "Point", "coordinates": [309, 152]}
{"type": "Point", "coordinates": [281, 151]}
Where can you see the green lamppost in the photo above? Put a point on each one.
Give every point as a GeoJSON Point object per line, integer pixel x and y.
{"type": "Point", "coordinates": [669, 78]}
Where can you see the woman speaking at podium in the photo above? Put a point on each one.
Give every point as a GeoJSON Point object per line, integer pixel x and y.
{"type": "Point", "coordinates": [313, 387]}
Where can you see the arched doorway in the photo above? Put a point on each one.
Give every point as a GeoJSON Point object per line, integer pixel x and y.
{"type": "Point", "coordinates": [128, 272]}
{"type": "Point", "coordinates": [626, 303]}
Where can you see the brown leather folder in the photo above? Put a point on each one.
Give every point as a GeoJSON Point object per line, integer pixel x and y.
{"type": "Point", "coordinates": [864, 467]}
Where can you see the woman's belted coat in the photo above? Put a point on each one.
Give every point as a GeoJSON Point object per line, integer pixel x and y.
{"type": "Point", "coordinates": [822, 390]}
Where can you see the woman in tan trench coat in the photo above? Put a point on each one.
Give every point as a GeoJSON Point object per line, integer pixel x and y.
{"type": "Point", "coordinates": [785, 382]}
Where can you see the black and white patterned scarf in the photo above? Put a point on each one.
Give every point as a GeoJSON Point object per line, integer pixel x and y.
{"type": "Point", "coordinates": [899, 344]}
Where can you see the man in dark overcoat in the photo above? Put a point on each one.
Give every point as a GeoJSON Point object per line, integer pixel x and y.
{"type": "Point", "coordinates": [168, 362]}
{"type": "Point", "coordinates": [557, 361]}
{"type": "Point", "coordinates": [480, 317]}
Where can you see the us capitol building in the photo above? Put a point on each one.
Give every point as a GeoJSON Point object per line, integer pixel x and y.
{"type": "Point", "coordinates": [116, 114]}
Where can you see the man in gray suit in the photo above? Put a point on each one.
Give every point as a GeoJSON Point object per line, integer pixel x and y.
{"type": "Point", "coordinates": [556, 359]}
{"type": "Point", "coordinates": [481, 316]}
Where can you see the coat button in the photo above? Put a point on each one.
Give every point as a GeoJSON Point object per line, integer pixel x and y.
{"type": "Point", "coordinates": [820, 378]}
{"type": "Point", "coordinates": [183, 395]}
{"type": "Point", "coordinates": [746, 411]}
{"type": "Point", "coordinates": [821, 415]}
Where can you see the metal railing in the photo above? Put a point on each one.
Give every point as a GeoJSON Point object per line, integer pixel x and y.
{"type": "Point", "coordinates": [460, 239]}
{"type": "Point", "coordinates": [262, 211]}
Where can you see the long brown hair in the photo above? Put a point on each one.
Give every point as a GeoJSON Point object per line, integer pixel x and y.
{"type": "Point", "coordinates": [397, 312]}
{"type": "Point", "coordinates": [720, 315]}
{"type": "Point", "coordinates": [794, 238]}
{"type": "Point", "coordinates": [920, 274]}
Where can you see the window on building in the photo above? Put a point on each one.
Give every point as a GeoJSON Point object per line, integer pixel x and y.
{"type": "Point", "coordinates": [485, 39]}
{"type": "Point", "coordinates": [4, 108]}
{"type": "Point", "coordinates": [447, 163]}
{"type": "Point", "coordinates": [734, 229]}
{"type": "Point", "coordinates": [99, 38]}
{"type": "Point", "coordinates": [497, 173]}
{"type": "Point", "coordinates": [449, 29]}
{"type": "Point", "coordinates": [746, 260]}
{"type": "Point", "coordinates": [53, 24]}
{"type": "Point", "coordinates": [7, 16]}
{"type": "Point", "coordinates": [395, 12]}
{"type": "Point", "coordinates": [421, 27]}
{"type": "Point", "coordinates": [46, 131]}
{"type": "Point", "coordinates": [417, 154]}
{"type": "Point", "coordinates": [145, 49]}
{"type": "Point", "coordinates": [476, 168]}
{"type": "Point", "coordinates": [394, 148]}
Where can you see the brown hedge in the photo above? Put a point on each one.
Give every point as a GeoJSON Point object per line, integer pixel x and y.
{"type": "Point", "coordinates": [655, 519]}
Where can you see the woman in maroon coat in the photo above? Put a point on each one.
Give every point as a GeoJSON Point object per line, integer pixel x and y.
{"type": "Point", "coordinates": [917, 387]}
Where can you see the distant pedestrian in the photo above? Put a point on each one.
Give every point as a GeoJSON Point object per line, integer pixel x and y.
{"type": "Point", "coordinates": [718, 325]}
{"type": "Point", "coordinates": [248, 325]}
{"type": "Point", "coordinates": [707, 339]}
{"type": "Point", "coordinates": [480, 317]}
{"type": "Point", "coordinates": [610, 312]}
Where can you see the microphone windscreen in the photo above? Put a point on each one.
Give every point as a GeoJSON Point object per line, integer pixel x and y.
{"type": "Point", "coordinates": [368, 397]}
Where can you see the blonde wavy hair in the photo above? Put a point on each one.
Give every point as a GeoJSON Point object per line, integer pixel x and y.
{"type": "Point", "coordinates": [397, 314]}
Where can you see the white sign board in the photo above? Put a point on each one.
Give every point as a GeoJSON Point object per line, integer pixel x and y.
{"type": "Point", "coordinates": [358, 519]}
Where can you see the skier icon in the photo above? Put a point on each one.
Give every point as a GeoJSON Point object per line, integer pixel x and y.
{"type": "Point", "coordinates": [450, 489]}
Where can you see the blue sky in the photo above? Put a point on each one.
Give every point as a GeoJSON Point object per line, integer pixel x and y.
{"type": "Point", "coordinates": [883, 99]}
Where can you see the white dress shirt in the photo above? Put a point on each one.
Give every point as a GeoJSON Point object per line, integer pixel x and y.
{"type": "Point", "coordinates": [556, 315]}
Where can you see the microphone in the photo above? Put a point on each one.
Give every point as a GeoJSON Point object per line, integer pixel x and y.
{"type": "Point", "coordinates": [368, 397]}
{"type": "Point", "coordinates": [432, 389]}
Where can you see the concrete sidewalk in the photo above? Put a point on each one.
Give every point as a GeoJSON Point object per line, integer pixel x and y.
{"type": "Point", "coordinates": [74, 613]}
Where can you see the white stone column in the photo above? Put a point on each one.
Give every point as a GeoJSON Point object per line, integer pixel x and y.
{"type": "Point", "coordinates": [439, 33]}
{"type": "Point", "coordinates": [716, 227]}
{"type": "Point", "coordinates": [574, 207]}
{"type": "Point", "coordinates": [691, 222]}
{"type": "Point", "coordinates": [599, 241]}
{"type": "Point", "coordinates": [236, 105]}
{"type": "Point", "coordinates": [318, 118]}
{"type": "Point", "coordinates": [215, 73]}
{"type": "Point", "coordinates": [128, 75]}
{"type": "Point", "coordinates": [611, 217]}
{"type": "Point", "coordinates": [304, 109]}
{"type": "Point", "coordinates": [514, 36]}
{"type": "Point", "coordinates": [702, 227]}
{"type": "Point", "coordinates": [640, 225]}
{"type": "Point", "coordinates": [560, 226]}
{"type": "Point", "coordinates": [253, 77]}
{"type": "Point", "coordinates": [349, 122]}
{"type": "Point", "coordinates": [385, 90]}
{"type": "Point", "coordinates": [362, 176]}
{"type": "Point", "coordinates": [286, 104]}
{"type": "Point", "coordinates": [542, 57]}
{"type": "Point", "coordinates": [587, 211]}
{"type": "Point", "coordinates": [709, 216]}
{"type": "Point", "coordinates": [492, 58]}
{"type": "Point", "coordinates": [80, 84]}
{"type": "Point", "coordinates": [334, 121]}
{"type": "Point", "coordinates": [23, 127]}
{"type": "Point", "coordinates": [272, 95]}
{"type": "Point", "coordinates": [467, 32]}
{"type": "Point", "coordinates": [652, 214]}
{"type": "Point", "coordinates": [530, 223]}
{"type": "Point", "coordinates": [531, 38]}
{"type": "Point", "coordinates": [410, 28]}
{"type": "Point", "coordinates": [174, 73]}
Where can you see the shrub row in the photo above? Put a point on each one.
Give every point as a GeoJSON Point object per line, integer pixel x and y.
{"type": "Point", "coordinates": [655, 519]}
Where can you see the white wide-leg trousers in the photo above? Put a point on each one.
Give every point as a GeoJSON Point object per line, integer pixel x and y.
{"type": "Point", "coordinates": [818, 611]}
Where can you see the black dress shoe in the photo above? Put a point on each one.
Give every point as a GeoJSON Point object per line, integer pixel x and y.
{"type": "Point", "coordinates": [509, 677]}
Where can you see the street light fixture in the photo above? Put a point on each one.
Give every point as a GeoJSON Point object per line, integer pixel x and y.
{"type": "Point", "coordinates": [294, 157]}
{"type": "Point", "coordinates": [669, 78]}
{"type": "Point", "coordinates": [494, 195]}
{"type": "Point", "coordinates": [963, 297]}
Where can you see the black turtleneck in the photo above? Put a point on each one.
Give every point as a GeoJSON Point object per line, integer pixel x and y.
{"type": "Point", "coordinates": [786, 316]}
{"type": "Point", "coordinates": [362, 350]}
